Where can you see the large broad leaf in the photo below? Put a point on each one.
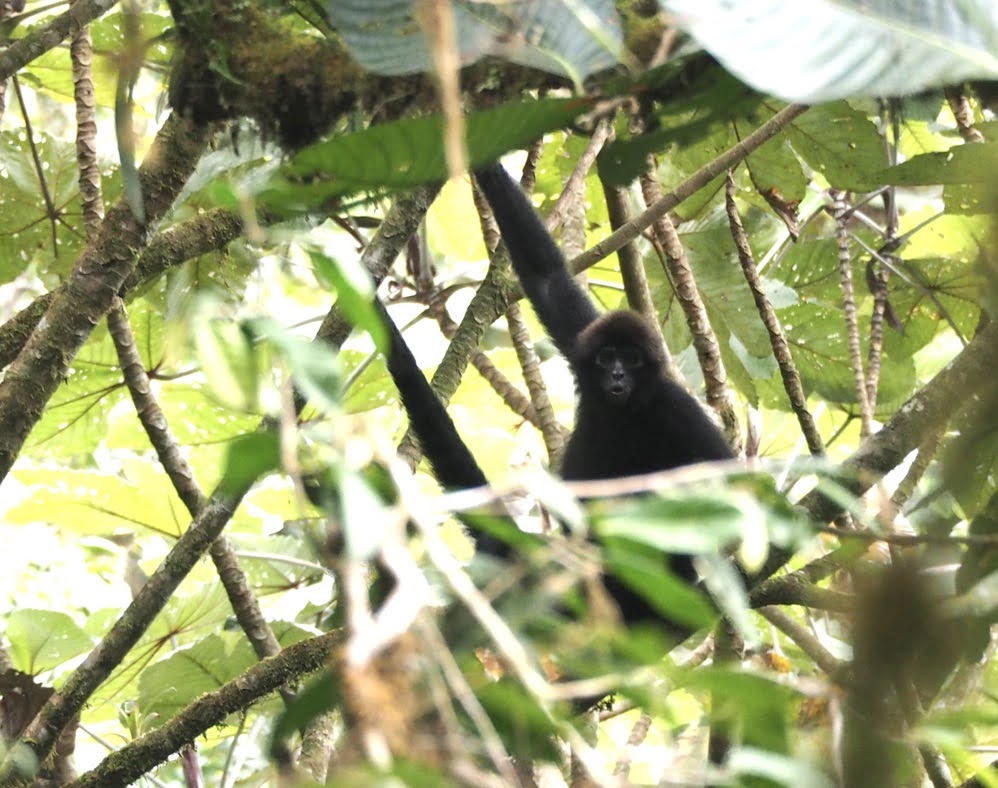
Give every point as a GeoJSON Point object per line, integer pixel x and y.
{"type": "Point", "coordinates": [827, 49]}
{"type": "Point", "coordinates": [570, 37]}
{"type": "Point", "coordinates": [760, 702]}
{"type": "Point", "coordinates": [29, 234]}
{"type": "Point", "coordinates": [43, 639]}
{"type": "Point", "coordinates": [841, 143]}
{"type": "Point", "coordinates": [960, 165]}
{"type": "Point", "coordinates": [100, 502]}
{"type": "Point", "coordinates": [407, 153]}
{"type": "Point", "coordinates": [692, 118]}
{"type": "Point", "coordinates": [167, 687]}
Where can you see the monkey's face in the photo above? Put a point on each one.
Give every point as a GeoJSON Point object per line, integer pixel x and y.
{"type": "Point", "coordinates": [619, 369]}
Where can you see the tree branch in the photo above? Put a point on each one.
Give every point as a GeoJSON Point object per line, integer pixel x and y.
{"type": "Point", "coordinates": [135, 759]}
{"type": "Point", "coordinates": [208, 232]}
{"type": "Point", "coordinates": [777, 339]}
{"type": "Point", "coordinates": [43, 732]}
{"type": "Point", "coordinates": [39, 41]}
{"type": "Point", "coordinates": [100, 272]}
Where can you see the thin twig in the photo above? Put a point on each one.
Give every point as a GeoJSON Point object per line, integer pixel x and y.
{"type": "Point", "coordinates": [777, 338]}
{"type": "Point", "coordinates": [808, 643]}
{"type": "Point", "coordinates": [576, 181]}
{"type": "Point", "coordinates": [530, 365]}
{"type": "Point", "coordinates": [469, 702]}
{"type": "Point", "coordinates": [849, 301]}
{"type": "Point", "coordinates": [684, 285]}
{"type": "Point", "coordinates": [687, 188]}
{"type": "Point", "coordinates": [963, 113]}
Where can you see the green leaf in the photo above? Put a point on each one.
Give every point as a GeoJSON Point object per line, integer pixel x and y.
{"type": "Point", "coordinates": [970, 198]}
{"type": "Point", "coordinates": [842, 48]}
{"type": "Point", "coordinates": [744, 342]}
{"type": "Point", "coordinates": [280, 562]}
{"type": "Point", "coordinates": [76, 422]}
{"type": "Point", "coordinates": [763, 704]}
{"type": "Point", "coordinates": [778, 769]}
{"type": "Point", "coordinates": [28, 232]}
{"type": "Point", "coordinates": [44, 639]}
{"type": "Point", "coordinates": [817, 338]}
{"type": "Point", "coordinates": [700, 111]}
{"type": "Point", "coordinates": [961, 164]}
{"type": "Point", "coordinates": [401, 772]}
{"type": "Point", "coordinates": [192, 414]}
{"type": "Point", "coordinates": [648, 575]}
{"type": "Point", "coordinates": [776, 169]}
{"type": "Point", "coordinates": [409, 153]}
{"type": "Point", "coordinates": [970, 460]}
{"type": "Point", "coordinates": [249, 457]}
{"type": "Point", "coordinates": [370, 384]}
{"type": "Point", "coordinates": [206, 609]}
{"type": "Point", "coordinates": [727, 590]}
{"type": "Point", "coordinates": [841, 143]}
{"type": "Point", "coordinates": [171, 684]}
{"type": "Point", "coordinates": [691, 524]}
{"type": "Point", "coordinates": [313, 365]}
{"type": "Point", "coordinates": [574, 39]}
{"type": "Point", "coordinates": [524, 727]}
{"type": "Point", "coordinates": [354, 293]}
{"type": "Point", "coordinates": [504, 529]}
{"type": "Point", "coordinates": [230, 362]}
{"type": "Point", "coordinates": [101, 502]}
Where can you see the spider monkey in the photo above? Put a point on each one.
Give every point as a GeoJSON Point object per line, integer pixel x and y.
{"type": "Point", "coordinates": [630, 417]}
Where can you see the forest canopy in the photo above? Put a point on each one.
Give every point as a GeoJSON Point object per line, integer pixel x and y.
{"type": "Point", "coordinates": [225, 561]}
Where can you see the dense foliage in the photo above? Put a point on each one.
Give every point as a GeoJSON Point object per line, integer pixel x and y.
{"type": "Point", "coordinates": [217, 560]}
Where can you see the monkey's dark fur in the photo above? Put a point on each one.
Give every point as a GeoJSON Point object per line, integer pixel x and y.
{"type": "Point", "coordinates": [454, 467]}
{"type": "Point", "coordinates": [453, 464]}
{"type": "Point", "coordinates": [631, 417]}
{"type": "Point", "coordinates": [652, 425]}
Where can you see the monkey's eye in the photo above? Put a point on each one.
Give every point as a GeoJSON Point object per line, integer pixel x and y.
{"type": "Point", "coordinates": [606, 357]}
{"type": "Point", "coordinates": [630, 357]}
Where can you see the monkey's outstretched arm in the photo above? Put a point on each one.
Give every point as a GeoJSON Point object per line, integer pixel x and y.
{"type": "Point", "coordinates": [562, 305]}
{"type": "Point", "coordinates": [453, 465]}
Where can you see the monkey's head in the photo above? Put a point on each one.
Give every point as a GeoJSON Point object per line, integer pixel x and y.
{"type": "Point", "coordinates": [618, 357]}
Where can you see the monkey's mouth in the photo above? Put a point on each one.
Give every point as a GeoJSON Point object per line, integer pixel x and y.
{"type": "Point", "coordinates": [618, 392]}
